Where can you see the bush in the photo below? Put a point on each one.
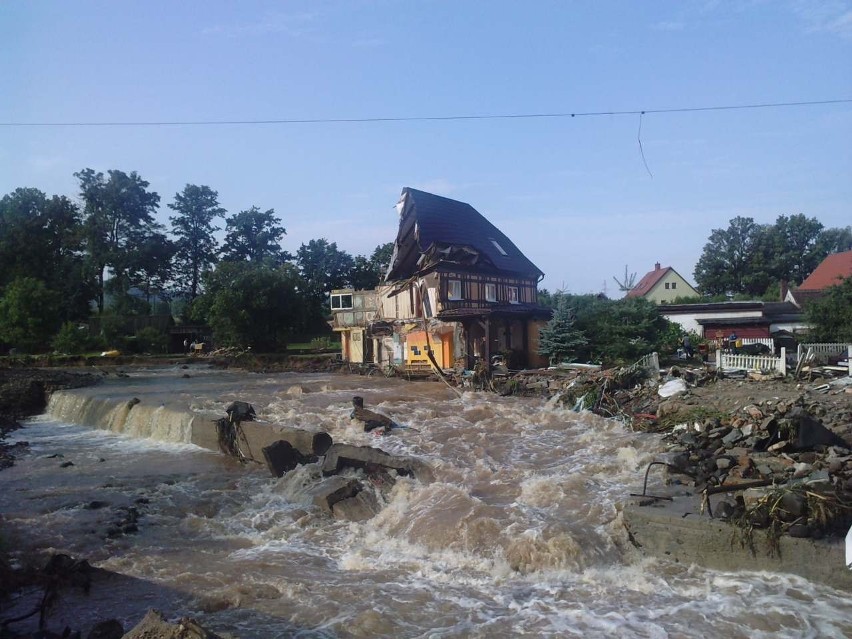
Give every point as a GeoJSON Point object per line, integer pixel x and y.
{"type": "Point", "coordinates": [150, 340]}
{"type": "Point", "coordinates": [71, 339]}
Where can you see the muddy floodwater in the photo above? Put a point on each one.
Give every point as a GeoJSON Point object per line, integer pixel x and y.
{"type": "Point", "coordinates": [519, 536]}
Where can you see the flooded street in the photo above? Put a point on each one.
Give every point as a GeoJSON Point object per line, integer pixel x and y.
{"type": "Point", "coordinates": [519, 536]}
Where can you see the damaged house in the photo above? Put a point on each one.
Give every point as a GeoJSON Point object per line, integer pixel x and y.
{"type": "Point", "coordinates": [457, 290]}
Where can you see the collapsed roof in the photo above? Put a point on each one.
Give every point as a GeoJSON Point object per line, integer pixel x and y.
{"type": "Point", "coordinates": [435, 230]}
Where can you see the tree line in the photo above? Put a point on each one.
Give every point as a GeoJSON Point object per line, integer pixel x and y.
{"type": "Point", "coordinates": [61, 260]}
{"type": "Point", "coordinates": [744, 261]}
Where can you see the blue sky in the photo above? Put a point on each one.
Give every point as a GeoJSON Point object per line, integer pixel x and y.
{"type": "Point", "coordinates": [572, 193]}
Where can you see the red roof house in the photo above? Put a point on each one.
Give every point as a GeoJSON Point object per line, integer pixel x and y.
{"type": "Point", "coordinates": [832, 271]}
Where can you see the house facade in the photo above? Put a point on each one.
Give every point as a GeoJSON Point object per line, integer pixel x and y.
{"type": "Point", "coordinates": [457, 291]}
{"type": "Point", "coordinates": [662, 286]}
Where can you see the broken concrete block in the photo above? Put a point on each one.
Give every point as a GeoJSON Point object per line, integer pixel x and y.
{"type": "Point", "coordinates": [281, 457]}
{"type": "Point", "coordinates": [329, 491]}
{"type": "Point", "coordinates": [370, 459]}
{"type": "Point", "coordinates": [305, 441]}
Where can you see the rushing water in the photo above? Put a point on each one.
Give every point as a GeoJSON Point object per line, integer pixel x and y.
{"type": "Point", "coordinates": [520, 536]}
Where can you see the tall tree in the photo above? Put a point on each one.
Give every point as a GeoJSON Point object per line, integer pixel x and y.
{"type": "Point", "coordinates": [251, 304]}
{"type": "Point", "coordinates": [118, 218]}
{"type": "Point", "coordinates": [254, 236]}
{"type": "Point", "coordinates": [725, 266]}
{"type": "Point", "coordinates": [195, 248]}
{"type": "Point", "coordinates": [323, 267]}
{"type": "Point", "coordinates": [793, 248]}
{"type": "Point", "coordinates": [40, 238]}
{"type": "Point", "coordinates": [368, 272]}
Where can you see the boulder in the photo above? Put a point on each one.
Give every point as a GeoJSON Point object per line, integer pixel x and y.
{"type": "Point", "coordinates": [240, 412]}
{"type": "Point", "coordinates": [372, 460]}
{"type": "Point", "coordinates": [109, 629]}
{"type": "Point", "coordinates": [361, 507]}
{"type": "Point", "coordinates": [281, 457]}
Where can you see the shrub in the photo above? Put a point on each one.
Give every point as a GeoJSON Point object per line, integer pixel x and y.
{"type": "Point", "coordinates": [71, 339]}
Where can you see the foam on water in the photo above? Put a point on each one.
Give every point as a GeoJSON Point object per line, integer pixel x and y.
{"type": "Point", "coordinates": [520, 534]}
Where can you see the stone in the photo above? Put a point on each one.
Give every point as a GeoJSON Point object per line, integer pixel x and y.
{"type": "Point", "coordinates": [109, 629]}
{"type": "Point", "coordinates": [794, 504]}
{"type": "Point", "coordinates": [801, 470]}
{"type": "Point", "coordinates": [723, 463]}
{"type": "Point", "coordinates": [361, 507]}
{"type": "Point", "coordinates": [734, 436]}
{"type": "Point", "coordinates": [799, 530]}
{"type": "Point", "coordinates": [753, 411]}
{"type": "Point", "coordinates": [154, 625]}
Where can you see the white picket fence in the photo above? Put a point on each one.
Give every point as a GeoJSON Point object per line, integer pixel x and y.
{"type": "Point", "coordinates": [729, 361]}
{"type": "Point", "coordinates": [823, 352]}
{"type": "Point", "coordinates": [650, 362]}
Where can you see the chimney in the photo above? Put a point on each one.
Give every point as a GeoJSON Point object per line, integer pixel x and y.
{"type": "Point", "coordinates": [784, 288]}
{"type": "Point", "coordinates": [657, 266]}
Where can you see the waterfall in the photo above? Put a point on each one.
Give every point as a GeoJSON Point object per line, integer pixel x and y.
{"type": "Point", "coordinates": [129, 417]}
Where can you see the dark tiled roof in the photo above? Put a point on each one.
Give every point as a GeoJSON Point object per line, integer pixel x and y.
{"type": "Point", "coordinates": [831, 271]}
{"type": "Point", "coordinates": [445, 222]}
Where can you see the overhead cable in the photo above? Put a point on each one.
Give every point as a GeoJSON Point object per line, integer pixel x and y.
{"type": "Point", "coordinates": [430, 118]}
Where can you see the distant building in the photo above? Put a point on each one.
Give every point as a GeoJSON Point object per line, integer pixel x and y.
{"type": "Point", "coordinates": [662, 286]}
{"type": "Point", "coordinates": [457, 290]}
{"type": "Point", "coordinates": [830, 272]}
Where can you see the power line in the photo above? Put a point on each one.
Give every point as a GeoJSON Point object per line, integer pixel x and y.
{"type": "Point", "coordinates": [435, 118]}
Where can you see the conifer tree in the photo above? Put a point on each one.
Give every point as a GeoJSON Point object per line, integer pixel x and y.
{"type": "Point", "coordinates": [560, 338]}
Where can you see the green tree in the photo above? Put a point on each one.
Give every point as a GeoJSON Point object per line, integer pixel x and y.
{"type": "Point", "coordinates": [118, 219]}
{"type": "Point", "coordinates": [793, 249]}
{"type": "Point", "coordinates": [195, 248]}
{"type": "Point", "coordinates": [40, 238]}
{"type": "Point", "coordinates": [254, 236]}
{"type": "Point", "coordinates": [249, 304]}
{"type": "Point", "coordinates": [366, 272]}
{"type": "Point", "coordinates": [28, 316]}
{"type": "Point", "coordinates": [726, 264]}
{"type": "Point", "coordinates": [323, 267]}
{"type": "Point", "coordinates": [830, 316]}
{"type": "Point", "coordinates": [560, 337]}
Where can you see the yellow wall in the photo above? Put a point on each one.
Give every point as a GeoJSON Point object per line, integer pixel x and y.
{"type": "Point", "coordinates": [662, 295]}
{"type": "Point", "coordinates": [442, 349]}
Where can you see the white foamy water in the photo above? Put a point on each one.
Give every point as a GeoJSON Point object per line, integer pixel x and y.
{"type": "Point", "coordinates": [519, 536]}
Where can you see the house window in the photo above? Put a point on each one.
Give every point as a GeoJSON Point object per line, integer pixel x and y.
{"type": "Point", "coordinates": [490, 292]}
{"type": "Point", "coordinates": [454, 289]}
{"type": "Point", "coordinates": [667, 286]}
{"type": "Point", "coordinates": [674, 284]}
{"type": "Point", "coordinates": [498, 247]}
{"type": "Point", "coordinates": [513, 294]}
{"type": "Point", "coordinates": [341, 301]}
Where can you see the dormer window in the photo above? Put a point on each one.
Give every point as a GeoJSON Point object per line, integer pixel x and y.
{"type": "Point", "coordinates": [454, 289]}
{"type": "Point", "coordinates": [498, 247]}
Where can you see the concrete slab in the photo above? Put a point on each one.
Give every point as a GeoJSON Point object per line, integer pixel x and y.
{"type": "Point", "coordinates": [677, 531]}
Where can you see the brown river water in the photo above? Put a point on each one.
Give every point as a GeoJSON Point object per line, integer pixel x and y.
{"type": "Point", "coordinates": [519, 536]}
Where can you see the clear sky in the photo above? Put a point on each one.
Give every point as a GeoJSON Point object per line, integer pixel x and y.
{"type": "Point", "coordinates": [573, 193]}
